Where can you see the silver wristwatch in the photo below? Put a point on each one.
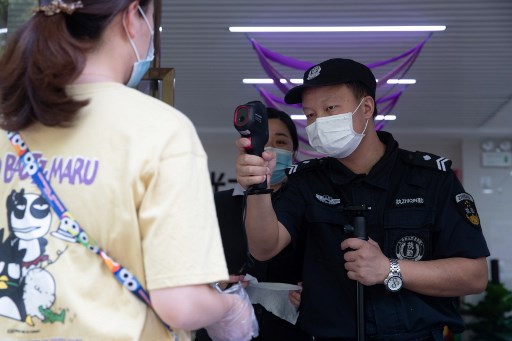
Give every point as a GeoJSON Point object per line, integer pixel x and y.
{"type": "Point", "coordinates": [394, 281]}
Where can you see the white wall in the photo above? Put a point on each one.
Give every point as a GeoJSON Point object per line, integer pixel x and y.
{"type": "Point", "coordinates": [494, 209]}
{"type": "Point", "coordinates": [222, 153]}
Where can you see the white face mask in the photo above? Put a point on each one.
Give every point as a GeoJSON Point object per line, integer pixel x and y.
{"type": "Point", "coordinates": [335, 135]}
{"type": "Point", "coordinates": [140, 67]}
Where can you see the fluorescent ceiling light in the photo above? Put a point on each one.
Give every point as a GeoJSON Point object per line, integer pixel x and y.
{"type": "Point", "coordinates": [385, 118]}
{"type": "Point", "coordinates": [337, 29]}
{"type": "Point", "coordinates": [299, 81]}
{"type": "Point", "coordinates": [269, 81]}
{"type": "Point", "coordinates": [401, 81]}
{"type": "Point", "coordinates": [3, 30]}
{"type": "Point", "coordinates": [377, 118]}
{"type": "Point", "coordinates": [258, 81]}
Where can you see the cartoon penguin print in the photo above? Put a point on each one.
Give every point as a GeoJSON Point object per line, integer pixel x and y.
{"type": "Point", "coordinates": [29, 220]}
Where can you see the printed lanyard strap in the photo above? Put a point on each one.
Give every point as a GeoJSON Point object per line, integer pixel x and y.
{"type": "Point", "coordinates": [69, 229]}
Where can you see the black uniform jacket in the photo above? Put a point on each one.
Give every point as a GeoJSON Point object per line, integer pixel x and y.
{"type": "Point", "coordinates": [419, 211]}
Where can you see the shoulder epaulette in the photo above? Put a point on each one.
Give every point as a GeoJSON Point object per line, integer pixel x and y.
{"type": "Point", "coordinates": [303, 165]}
{"type": "Point", "coordinates": [426, 160]}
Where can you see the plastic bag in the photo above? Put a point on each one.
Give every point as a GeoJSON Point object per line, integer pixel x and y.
{"type": "Point", "coordinates": [240, 323]}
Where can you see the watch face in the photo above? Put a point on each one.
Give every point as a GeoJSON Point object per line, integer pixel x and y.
{"type": "Point", "coordinates": [394, 283]}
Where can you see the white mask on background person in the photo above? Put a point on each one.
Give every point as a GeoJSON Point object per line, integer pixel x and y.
{"type": "Point", "coordinates": [284, 159]}
{"type": "Point", "coordinates": [140, 67]}
{"type": "Point", "coordinates": [335, 135]}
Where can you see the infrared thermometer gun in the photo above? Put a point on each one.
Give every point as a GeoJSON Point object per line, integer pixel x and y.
{"type": "Point", "coordinates": [252, 123]}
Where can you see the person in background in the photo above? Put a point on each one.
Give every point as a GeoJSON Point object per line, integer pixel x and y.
{"type": "Point", "coordinates": [287, 266]}
{"type": "Point", "coordinates": [130, 169]}
{"type": "Point", "coordinates": [425, 246]}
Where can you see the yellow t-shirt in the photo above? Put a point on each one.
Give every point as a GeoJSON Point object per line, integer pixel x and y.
{"type": "Point", "coordinates": [133, 173]}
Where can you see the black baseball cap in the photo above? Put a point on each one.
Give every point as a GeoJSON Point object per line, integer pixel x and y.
{"type": "Point", "coordinates": [332, 72]}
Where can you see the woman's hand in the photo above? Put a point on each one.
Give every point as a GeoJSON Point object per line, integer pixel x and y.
{"type": "Point", "coordinates": [233, 279]}
{"type": "Point", "coordinates": [295, 296]}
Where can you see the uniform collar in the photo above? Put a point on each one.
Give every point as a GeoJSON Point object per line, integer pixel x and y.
{"type": "Point", "coordinates": [380, 173]}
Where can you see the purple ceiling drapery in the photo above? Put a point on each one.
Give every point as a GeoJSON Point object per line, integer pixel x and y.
{"type": "Point", "coordinates": [387, 94]}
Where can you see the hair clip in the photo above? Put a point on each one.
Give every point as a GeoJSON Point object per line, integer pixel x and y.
{"type": "Point", "coordinates": [57, 6]}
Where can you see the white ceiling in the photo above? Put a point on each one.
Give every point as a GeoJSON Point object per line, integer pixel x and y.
{"type": "Point", "coordinates": [464, 74]}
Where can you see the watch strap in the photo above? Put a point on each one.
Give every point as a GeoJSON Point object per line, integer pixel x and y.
{"type": "Point", "coordinates": [394, 267]}
{"type": "Point", "coordinates": [394, 281]}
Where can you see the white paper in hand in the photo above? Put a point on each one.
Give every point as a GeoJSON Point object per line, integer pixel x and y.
{"type": "Point", "coordinates": [273, 296]}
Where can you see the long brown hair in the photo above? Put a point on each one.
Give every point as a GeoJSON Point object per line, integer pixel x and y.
{"type": "Point", "coordinates": [44, 56]}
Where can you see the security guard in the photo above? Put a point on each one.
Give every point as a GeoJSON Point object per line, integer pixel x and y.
{"type": "Point", "coordinates": [425, 247]}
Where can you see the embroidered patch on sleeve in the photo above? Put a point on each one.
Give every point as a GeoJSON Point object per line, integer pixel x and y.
{"type": "Point", "coordinates": [467, 207]}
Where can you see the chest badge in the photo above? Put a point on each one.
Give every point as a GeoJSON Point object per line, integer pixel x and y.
{"type": "Point", "coordinates": [410, 248]}
{"type": "Point", "coordinates": [327, 199]}
{"type": "Point", "coordinates": [467, 208]}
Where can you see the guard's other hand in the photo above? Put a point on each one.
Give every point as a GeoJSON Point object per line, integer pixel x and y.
{"type": "Point", "coordinates": [364, 261]}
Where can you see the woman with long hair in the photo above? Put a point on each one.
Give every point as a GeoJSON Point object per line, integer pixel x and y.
{"type": "Point", "coordinates": [88, 161]}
